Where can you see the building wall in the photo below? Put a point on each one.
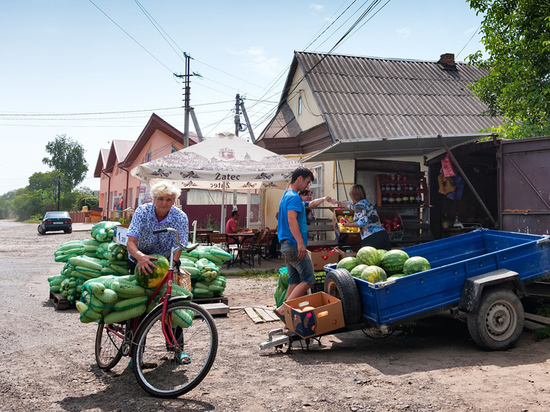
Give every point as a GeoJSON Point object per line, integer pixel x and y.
{"type": "Point", "coordinates": [310, 114]}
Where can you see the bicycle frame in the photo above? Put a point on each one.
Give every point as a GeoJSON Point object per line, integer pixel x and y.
{"type": "Point", "coordinates": [168, 280]}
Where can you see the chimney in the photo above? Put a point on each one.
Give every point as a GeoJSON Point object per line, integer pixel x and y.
{"type": "Point", "coordinates": [447, 61]}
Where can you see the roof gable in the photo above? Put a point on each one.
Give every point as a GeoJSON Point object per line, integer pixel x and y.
{"type": "Point", "coordinates": [155, 123]}
{"type": "Point", "coordinates": [118, 152]}
{"type": "Point", "coordinates": [101, 162]}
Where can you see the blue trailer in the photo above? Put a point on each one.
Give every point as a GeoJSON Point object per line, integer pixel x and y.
{"type": "Point", "coordinates": [481, 275]}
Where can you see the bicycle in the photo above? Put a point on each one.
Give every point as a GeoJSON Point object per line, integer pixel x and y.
{"type": "Point", "coordinates": [172, 347]}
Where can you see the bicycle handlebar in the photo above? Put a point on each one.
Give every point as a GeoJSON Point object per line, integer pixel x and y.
{"type": "Point", "coordinates": [169, 229]}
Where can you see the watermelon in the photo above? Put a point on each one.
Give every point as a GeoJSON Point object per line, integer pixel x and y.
{"type": "Point", "coordinates": [393, 261]}
{"type": "Point", "coordinates": [415, 264]}
{"type": "Point", "coordinates": [357, 270]}
{"type": "Point", "coordinates": [347, 263]}
{"type": "Point", "coordinates": [399, 275]}
{"type": "Point", "coordinates": [368, 255]}
{"type": "Point", "coordinates": [374, 274]}
{"type": "Point", "coordinates": [381, 252]}
{"type": "Point", "coordinates": [152, 280]}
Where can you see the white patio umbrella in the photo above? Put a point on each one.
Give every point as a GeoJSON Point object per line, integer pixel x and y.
{"type": "Point", "coordinates": [220, 163]}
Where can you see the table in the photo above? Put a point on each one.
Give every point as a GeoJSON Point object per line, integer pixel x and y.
{"type": "Point", "coordinates": [240, 238]}
{"type": "Point", "coordinates": [202, 235]}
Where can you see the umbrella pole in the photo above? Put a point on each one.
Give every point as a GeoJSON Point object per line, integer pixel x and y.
{"type": "Point", "coordinates": [194, 231]}
{"type": "Point", "coordinates": [222, 225]}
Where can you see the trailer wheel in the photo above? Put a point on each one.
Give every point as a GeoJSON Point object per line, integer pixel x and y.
{"type": "Point", "coordinates": [498, 323]}
{"type": "Point", "coordinates": [340, 284]}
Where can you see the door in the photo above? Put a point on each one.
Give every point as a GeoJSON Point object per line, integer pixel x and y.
{"type": "Point", "coordinates": [524, 185]}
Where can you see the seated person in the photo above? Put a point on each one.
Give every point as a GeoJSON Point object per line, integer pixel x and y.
{"type": "Point", "coordinates": [232, 227]}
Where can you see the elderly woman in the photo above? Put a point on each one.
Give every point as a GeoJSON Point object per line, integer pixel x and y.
{"type": "Point", "coordinates": [151, 216]}
{"type": "Point", "coordinates": [366, 218]}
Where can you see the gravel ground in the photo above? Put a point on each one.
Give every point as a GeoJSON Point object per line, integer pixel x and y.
{"type": "Point", "coordinates": [47, 357]}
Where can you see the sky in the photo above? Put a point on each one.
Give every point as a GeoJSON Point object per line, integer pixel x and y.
{"type": "Point", "coordinates": [95, 70]}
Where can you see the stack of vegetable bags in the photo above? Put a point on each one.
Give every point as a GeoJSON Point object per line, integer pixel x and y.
{"type": "Point", "coordinates": [96, 277]}
{"type": "Point", "coordinates": [204, 264]}
{"type": "Point", "coordinates": [87, 259]}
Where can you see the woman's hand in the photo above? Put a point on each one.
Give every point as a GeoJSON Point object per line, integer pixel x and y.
{"type": "Point", "coordinates": [145, 263]}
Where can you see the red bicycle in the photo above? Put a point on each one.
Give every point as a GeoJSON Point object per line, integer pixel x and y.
{"type": "Point", "coordinates": [172, 347]}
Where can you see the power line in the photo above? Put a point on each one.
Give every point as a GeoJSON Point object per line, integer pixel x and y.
{"type": "Point", "coordinates": [130, 36]}
{"type": "Point", "coordinates": [158, 27]}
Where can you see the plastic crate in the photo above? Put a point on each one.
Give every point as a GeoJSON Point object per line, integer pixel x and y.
{"type": "Point", "coordinates": [396, 236]}
{"type": "Point", "coordinates": [319, 285]}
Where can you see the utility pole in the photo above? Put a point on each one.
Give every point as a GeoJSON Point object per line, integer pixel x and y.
{"type": "Point", "coordinates": [58, 192]}
{"type": "Point", "coordinates": [239, 107]}
{"type": "Point", "coordinates": [187, 97]}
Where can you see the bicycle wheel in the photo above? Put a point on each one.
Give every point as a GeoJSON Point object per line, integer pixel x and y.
{"type": "Point", "coordinates": [169, 371]}
{"type": "Point", "coordinates": [108, 344]}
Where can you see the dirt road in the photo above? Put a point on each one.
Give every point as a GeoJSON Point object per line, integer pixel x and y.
{"type": "Point", "coordinates": [47, 357]}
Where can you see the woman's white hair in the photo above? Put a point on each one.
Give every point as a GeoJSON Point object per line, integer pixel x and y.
{"type": "Point", "coordinates": [164, 188]}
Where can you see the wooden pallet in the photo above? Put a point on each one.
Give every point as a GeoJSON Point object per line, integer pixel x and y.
{"type": "Point", "coordinates": [59, 301]}
{"type": "Point", "coordinates": [215, 299]}
{"type": "Point", "coordinates": [261, 315]}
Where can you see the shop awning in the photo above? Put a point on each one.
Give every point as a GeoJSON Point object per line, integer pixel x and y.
{"type": "Point", "coordinates": [408, 146]}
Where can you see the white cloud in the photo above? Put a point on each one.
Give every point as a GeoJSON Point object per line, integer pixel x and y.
{"type": "Point", "coordinates": [316, 7]}
{"type": "Point", "coordinates": [404, 32]}
{"type": "Point", "coordinates": [259, 61]}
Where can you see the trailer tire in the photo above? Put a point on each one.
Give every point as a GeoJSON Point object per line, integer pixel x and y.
{"type": "Point", "coordinates": [340, 284]}
{"type": "Point", "coordinates": [498, 322]}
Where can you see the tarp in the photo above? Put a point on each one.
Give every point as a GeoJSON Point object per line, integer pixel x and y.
{"type": "Point", "coordinates": [222, 162]}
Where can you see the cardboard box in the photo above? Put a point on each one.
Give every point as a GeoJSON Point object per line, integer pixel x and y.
{"type": "Point", "coordinates": [326, 317]}
{"type": "Point", "coordinates": [320, 259]}
{"type": "Point", "coordinates": [95, 219]}
{"type": "Point", "coordinates": [347, 251]}
{"type": "Point", "coordinates": [344, 238]}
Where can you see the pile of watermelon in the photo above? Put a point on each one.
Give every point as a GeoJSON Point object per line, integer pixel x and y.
{"type": "Point", "coordinates": [378, 265]}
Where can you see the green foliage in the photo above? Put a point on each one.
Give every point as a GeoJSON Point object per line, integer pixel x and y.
{"type": "Point", "coordinates": [43, 181]}
{"type": "Point", "coordinates": [85, 197]}
{"type": "Point", "coordinates": [67, 158]}
{"type": "Point", "coordinates": [516, 36]}
{"type": "Point", "coordinates": [541, 334]}
{"type": "Point", "coordinates": [6, 205]}
{"type": "Point", "coordinates": [210, 223]}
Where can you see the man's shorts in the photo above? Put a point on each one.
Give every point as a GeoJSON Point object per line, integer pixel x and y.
{"type": "Point", "coordinates": [299, 270]}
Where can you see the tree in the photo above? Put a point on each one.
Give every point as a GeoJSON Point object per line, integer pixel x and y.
{"type": "Point", "coordinates": [67, 158]}
{"type": "Point", "coordinates": [516, 36]}
{"type": "Point", "coordinates": [43, 181]}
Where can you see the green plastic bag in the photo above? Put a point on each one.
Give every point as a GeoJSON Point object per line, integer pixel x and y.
{"type": "Point", "coordinates": [282, 286]}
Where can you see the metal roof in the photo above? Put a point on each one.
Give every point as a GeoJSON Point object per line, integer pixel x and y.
{"type": "Point", "coordinates": [367, 97]}
{"type": "Point", "coordinates": [405, 146]}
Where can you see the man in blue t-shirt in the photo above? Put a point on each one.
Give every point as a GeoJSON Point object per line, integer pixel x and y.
{"type": "Point", "coordinates": [292, 233]}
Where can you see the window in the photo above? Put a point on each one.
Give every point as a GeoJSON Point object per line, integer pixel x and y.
{"type": "Point", "coordinates": [317, 185]}
{"type": "Point", "coordinates": [299, 105]}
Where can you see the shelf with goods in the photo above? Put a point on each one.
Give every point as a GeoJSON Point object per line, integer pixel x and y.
{"type": "Point", "coordinates": [401, 190]}
{"type": "Point", "coordinates": [405, 195]}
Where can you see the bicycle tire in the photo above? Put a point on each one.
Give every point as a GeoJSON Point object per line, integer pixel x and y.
{"type": "Point", "coordinates": [156, 367]}
{"type": "Point", "coordinates": [108, 344]}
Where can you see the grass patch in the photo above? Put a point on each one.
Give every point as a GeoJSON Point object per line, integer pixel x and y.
{"type": "Point", "coordinates": [33, 220]}
{"type": "Point", "coordinates": [252, 273]}
{"type": "Point", "coordinates": [541, 334]}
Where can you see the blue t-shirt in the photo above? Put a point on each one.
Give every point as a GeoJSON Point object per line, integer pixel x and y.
{"type": "Point", "coordinates": [145, 221]}
{"type": "Point", "coordinates": [291, 201]}
{"type": "Point", "coordinates": [366, 217]}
